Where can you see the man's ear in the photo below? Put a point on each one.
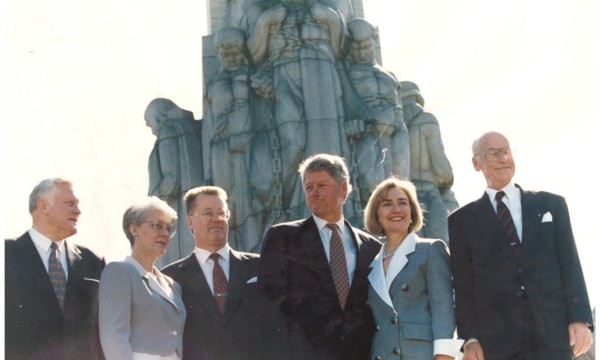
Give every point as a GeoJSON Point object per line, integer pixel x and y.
{"type": "Point", "coordinates": [476, 163]}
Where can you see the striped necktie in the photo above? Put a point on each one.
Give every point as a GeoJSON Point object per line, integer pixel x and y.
{"type": "Point", "coordinates": [507, 223]}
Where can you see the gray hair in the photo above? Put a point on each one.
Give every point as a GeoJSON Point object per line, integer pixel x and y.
{"type": "Point", "coordinates": [333, 164]}
{"type": "Point", "coordinates": [137, 213]}
{"type": "Point", "coordinates": [45, 190]}
{"type": "Point", "coordinates": [477, 143]}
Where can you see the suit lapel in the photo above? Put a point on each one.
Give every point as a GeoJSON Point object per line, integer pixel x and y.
{"type": "Point", "coordinates": [74, 274]}
{"type": "Point", "coordinates": [195, 281]}
{"type": "Point", "coordinates": [489, 223]}
{"type": "Point", "coordinates": [39, 275]}
{"type": "Point", "coordinates": [377, 280]}
{"type": "Point", "coordinates": [238, 275]}
{"type": "Point", "coordinates": [154, 284]}
{"type": "Point", "coordinates": [532, 212]}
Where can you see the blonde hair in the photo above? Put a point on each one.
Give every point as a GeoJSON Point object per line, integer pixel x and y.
{"type": "Point", "coordinates": [378, 196]}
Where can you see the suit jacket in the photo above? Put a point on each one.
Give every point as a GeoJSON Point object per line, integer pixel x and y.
{"type": "Point", "coordinates": [209, 335]}
{"type": "Point", "coordinates": [36, 328]}
{"type": "Point", "coordinates": [295, 277]}
{"type": "Point", "coordinates": [419, 301]}
{"type": "Point", "coordinates": [137, 315]}
{"type": "Point", "coordinates": [488, 276]}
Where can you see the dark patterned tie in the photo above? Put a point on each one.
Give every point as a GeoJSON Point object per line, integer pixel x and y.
{"type": "Point", "coordinates": [507, 223]}
{"type": "Point", "coordinates": [337, 262]}
{"type": "Point", "coordinates": [57, 275]}
{"type": "Point", "coordinates": [219, 283]}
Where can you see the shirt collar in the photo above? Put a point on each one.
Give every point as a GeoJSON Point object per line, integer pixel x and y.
{"type": "Point", "coordinates": [203, 254]}
{"type": "Point", "coordinates": [322, 223]}
{"type": "Point", "coordinates": [140, 269]}
{"type": "Point", "coordinates": [43, 242]}
{"type": "Point", "coordinates": [511, 191]}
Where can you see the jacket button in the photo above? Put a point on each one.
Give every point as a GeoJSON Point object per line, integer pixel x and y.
{"type": "Point", "coordinates": [396, 351]}
{"type": "Point", "coordinates": [394, 320]}
{"type": "Point", "coordinates": [405, 287]}
{"type": "Point", "coordinates": [174, 332]}
{"type": "Point", "coordinates": [378, 358]}
{"type": "Point", "coordinates": [377, 328]}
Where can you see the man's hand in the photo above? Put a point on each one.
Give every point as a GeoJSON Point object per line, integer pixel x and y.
{"type": "Point", "coordinates": [580, 338]}
{"type": "Point", "coordinates": [473, 351]}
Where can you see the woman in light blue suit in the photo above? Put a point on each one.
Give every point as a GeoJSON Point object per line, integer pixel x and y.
{"type": "Point", "coordinates": [141, 312]}
{"type": "Point", "coordinates": [410, 285]}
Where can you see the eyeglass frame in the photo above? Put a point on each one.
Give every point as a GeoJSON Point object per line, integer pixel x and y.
{"type": "Point", "coordinates": [209, 214]}
{"type": "Point", "coordinates": [170, 229]}
{"type": "Point", "coordinates": [506, 151]}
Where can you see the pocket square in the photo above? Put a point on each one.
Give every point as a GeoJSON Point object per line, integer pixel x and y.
{"type": "Point", "coordinates": [547, 217]}
{"type": "Point", "coordinates": [253, 280]}
{"type": "Point", "coordinates": [90, 279]}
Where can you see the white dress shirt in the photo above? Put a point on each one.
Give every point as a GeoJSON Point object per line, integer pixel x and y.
{"type": "Point", "coordinates": [512, 199]}
{"type": "Point", "coordinates": [207, 264]}
{"type": "Point", "coordinates": [42, 245]}
{"type": "Point", "coordinates": [347, 241]}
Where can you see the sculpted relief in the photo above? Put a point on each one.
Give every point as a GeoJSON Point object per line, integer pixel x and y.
{"type": "Point", "coordinates": [287, 79]}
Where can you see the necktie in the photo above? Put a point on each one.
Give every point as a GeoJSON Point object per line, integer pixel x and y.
{"type": "Point", "coordinates": [57, 275]}
{"type": "Point", "coordinates": [219, 283]}
{"type": "Point", "coordinates": [507, 223]}
{"type": "Point", "coordinates": [337, 263]}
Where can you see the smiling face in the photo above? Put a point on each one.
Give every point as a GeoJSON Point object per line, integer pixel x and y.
{"type": "Point", "coordinates": [497, 173]}
{"type": "Point", "coordinates": [58, 213]}
{"type": "Point", "coordinates": [150, 243]}
{"type": "Point", "coordinates": [394, 213]}
{"type": "Point", "coordinates": [324, 196]}
{"type": "Point", "coordinates": [210, 233]}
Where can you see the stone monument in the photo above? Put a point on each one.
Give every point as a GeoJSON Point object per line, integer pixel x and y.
{"type": "Point", "coordinates": [174, 166]}
{"type": "Point", "coordinates": [286, 79]}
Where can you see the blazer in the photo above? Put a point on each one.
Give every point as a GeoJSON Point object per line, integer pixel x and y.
{"type": "Point", "coordinates": [35, 327]}
{"type": "Point", "coordinates": [209, 335]}
{"type": "Point", "coordinates": [295, 277]}
{"type": "Point", "coordinates": [488, 277]}
{"type": "Point", "coordinates": [136, 314]}
{"type": "Point", "coordinates": [415, 314]}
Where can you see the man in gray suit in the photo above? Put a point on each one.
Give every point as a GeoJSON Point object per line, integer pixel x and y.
{"type": "Point", "coordinates": [219, 285]}
{"type": "Point", "coordinates": [51, 304]}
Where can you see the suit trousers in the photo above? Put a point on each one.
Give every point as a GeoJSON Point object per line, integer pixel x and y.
{"type": "Point", "coordinates": [533, 346]}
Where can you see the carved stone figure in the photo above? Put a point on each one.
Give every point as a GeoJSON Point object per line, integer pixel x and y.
{"type": "Point", "coordinates": [430, 169]}
{"type": "Point", "coordinates": [174, 166]}
{"type": "Point", "coordinates": [229, 134]}
{"type": "Point", "coordinates": [295, 45]}
{"type": "Point", "coordinates": [378, 136]}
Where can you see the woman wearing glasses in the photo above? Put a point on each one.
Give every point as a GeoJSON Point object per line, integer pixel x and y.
{"type": "Point", "coordinates": [141, 311]}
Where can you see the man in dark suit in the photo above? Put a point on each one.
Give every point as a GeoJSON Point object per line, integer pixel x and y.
{"type": "Point", "coordinates": [519, 287]}
{"type": "Point", "coordinates": [219, 285]}
{"type": "Point", "coordinates": [51, 284]}
{"type": "Point", "coordinates": [324, 307]}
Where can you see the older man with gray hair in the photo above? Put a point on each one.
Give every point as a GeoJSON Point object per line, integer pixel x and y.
{"type": "Point", "coordinates": [51, 284]}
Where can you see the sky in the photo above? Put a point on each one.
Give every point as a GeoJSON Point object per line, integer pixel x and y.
{"type": "Point", "coordinates": [77, 76]}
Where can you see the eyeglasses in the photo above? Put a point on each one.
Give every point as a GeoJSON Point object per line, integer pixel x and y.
{"type": "Point", "coordinates": [159, 227]}
{"type": "Point", "coordinates": [494, 154]}
{"type": "Point", "coordinates": [209, 214]}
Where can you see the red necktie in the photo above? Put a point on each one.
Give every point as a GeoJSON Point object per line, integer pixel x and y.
{"type": "Point", "coordinates": [507, 223]}
{"type": "Point", "coordinates": [219, 283]}
{"type": "Point", "coordinates": [337, 263]}
{"type": "Point", "coordinates": [57, 275]}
